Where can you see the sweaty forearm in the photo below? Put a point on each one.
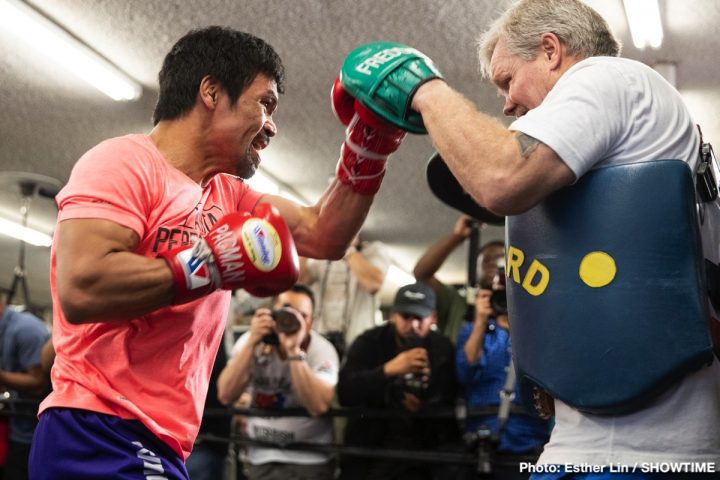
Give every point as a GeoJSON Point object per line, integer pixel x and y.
{"type": "Point", "coordinates": [340, 214]}
{"type": "Point", "coordinates": [100, 278]}
{"type": "Point", "coordinates": [499, 168]}
{"type": "Point", "coordinates": [325, 229]}
{"type": "Point", "coordinates": [480, 151]}
{"type": "Point", "coordinates": [119, 286]}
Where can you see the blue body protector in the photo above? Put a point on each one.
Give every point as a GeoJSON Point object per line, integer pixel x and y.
{"type": "Point", "coordinates": [606, 287]}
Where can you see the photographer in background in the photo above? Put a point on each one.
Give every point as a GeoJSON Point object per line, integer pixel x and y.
{"type": "Point", "coordinates": [285, 365]}
{"type": "Point", "coordinates": [403, 365]}
{"type": "Point", "coordinates": [484, 368]}
{"type": "Point", "coordinates": [483, 346]}
{"type": "Point", "coordinates": [451, 306]}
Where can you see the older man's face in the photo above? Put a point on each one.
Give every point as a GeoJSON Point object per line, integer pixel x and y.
{"type": "Point", "coordinates": [523, 84]}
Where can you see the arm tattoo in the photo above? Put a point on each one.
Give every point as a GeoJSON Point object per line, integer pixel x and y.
{"type": "Point", "coordinates": [527, 144]}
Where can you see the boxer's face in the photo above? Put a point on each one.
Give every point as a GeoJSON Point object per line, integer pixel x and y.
{"type": "Point", "coordinates": [522, 83]}
{"type": "Point", "coordinates": [241, 130]}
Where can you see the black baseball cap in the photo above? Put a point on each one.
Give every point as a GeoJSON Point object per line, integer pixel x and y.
{"type": "Point", "coordinates": [416, 299]}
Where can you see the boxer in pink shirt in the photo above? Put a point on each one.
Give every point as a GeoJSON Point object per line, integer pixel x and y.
{"type": "Point", "coordinates": [154, 231]}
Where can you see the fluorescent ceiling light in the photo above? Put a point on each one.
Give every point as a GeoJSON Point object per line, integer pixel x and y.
{"type": "Point", "coordinates": [47, 38]}
{"type": "Point", "coordinates": [643, 17]}
{"type": "Point", "coordinates": [264, 182]}
{"type": "Point", "coordinates": [25, 234]}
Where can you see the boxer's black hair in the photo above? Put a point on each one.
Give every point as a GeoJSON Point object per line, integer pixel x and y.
{"type": "Point", "coordinates": [231, 57]}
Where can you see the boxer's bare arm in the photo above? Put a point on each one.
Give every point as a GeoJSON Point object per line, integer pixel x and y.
{"type": "Point", "coordinates": [325, 229]}
{"type": "Point", "coordinates": [99, 278]}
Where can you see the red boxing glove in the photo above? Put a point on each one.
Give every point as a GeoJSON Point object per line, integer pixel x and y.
{"type": "Point", "coordinates": [343, 104]}
{"type": "Point", "coordinates": [253, 252]}
{"type": "Point", "coordinates": [368, 143]}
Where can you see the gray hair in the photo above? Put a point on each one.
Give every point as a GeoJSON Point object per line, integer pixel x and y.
{"type": "Point", "coordinates": [580, 28]}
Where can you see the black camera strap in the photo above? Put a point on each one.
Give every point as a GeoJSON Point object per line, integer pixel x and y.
{"type": "Point", "coordinates": [705, 182]}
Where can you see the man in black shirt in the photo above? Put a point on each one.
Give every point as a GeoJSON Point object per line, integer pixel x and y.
{"type": "Point", "coordinates": [404, 365]}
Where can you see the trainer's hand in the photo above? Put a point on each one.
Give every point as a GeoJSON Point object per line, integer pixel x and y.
{"type": "Point", "coordinates": [254, 252]}
{"type": "Point", "coordinates": [384, 76]}
{"type": "Point", "coordinates": [414, 360]}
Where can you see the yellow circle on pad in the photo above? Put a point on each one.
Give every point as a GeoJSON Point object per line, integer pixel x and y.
{"type": "Point", "coordinates": [597, 269]}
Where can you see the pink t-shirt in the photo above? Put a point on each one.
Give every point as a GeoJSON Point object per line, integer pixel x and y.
{"type": "Point", "coordinates": [155, 368]}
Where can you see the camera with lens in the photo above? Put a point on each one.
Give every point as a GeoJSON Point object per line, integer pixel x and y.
{"type": "Point", "coordinates": [286, 321]}
{"type": "Point", "coordinates": [492, 279]}
{"type": "Point", "coordinates": [414, 383]}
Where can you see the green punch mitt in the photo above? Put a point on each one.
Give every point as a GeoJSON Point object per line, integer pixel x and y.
{"type": "Point", "coordinates": [384, 76]}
